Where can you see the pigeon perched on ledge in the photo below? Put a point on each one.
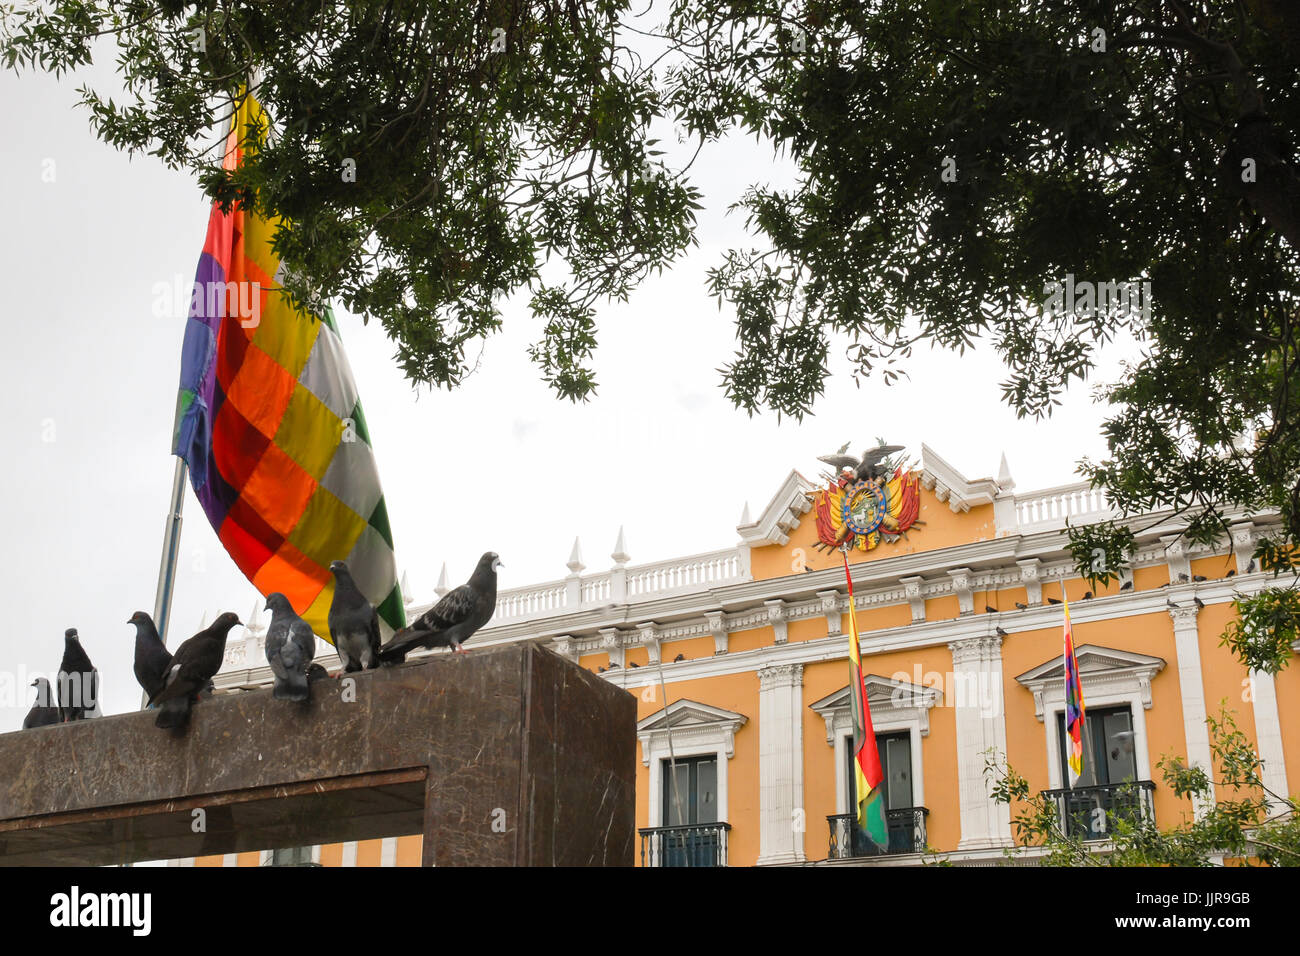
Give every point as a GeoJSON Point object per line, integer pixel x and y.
{"type": "Point", "coordinates": [451, 621]}
{"type": "Point", "coordinates": [353, 623]}
{"type": "Point", "coordinates": [191, 672]}
{"type": "Point", "coordinates": [43, 712]}
{"type": "Point", "coordinates": [290, 647]}
{"type": "Point", "coordinates": [78, 679]}
{"type": "Point", "coordinates": [151, 656]}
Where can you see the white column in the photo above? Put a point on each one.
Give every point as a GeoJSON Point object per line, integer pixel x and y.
{"type": "Point", "coordinates": [388, 851]}
{"type": "Point", "coordinates": [981, 727]}
{"type": "Point", "coordinates": [1268, 734]}
{"type": "Point", "coordinates": [230, 859]}
{"type": "Point", "coordinates": [1188, 649]}
{"type": "Point", "coordinates": [782, 815]}
{"type": "Point", "coordinates": [349, 854]}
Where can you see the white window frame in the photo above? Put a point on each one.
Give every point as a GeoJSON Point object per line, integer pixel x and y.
{"type": "Point", "coordinates": [698, 730]}
{"type": "Point", "coordinates": [1109, 678]}
{"type": "Point", "coordinates": [895, 706]}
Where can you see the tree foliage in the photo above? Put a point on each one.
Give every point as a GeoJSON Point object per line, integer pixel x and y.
{"type": "Point", "coordinates": [1241, 823]}
{"type": "Point", "coordinates": [963, 169]}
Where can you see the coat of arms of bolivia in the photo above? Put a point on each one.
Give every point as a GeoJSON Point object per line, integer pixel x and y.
{"type": "Point", "coordinates": [863, 505]}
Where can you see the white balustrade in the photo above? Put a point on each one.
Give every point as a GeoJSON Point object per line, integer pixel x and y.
{"type": "Point", "coordinates": [646, 581]}
{"type": "Point", "coordinates": [1080, 503]}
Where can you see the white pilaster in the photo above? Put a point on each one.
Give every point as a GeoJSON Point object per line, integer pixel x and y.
{"type": "Point", "coordinates": [388, 852]}
{"type": "Point", "coordinates": [1193, 693]}
{"type": "Point", "coordinates": [782, 815]}
{"type": "Point", "coordinates": [1268, 734]}
{"type": "Point", "coordinates": [981, 727]}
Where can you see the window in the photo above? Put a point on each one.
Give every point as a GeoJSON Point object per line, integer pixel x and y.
{"type": "Point", "coordinates": [690, 801]}
{"type": "Point", "coordinates": [896, 768]}
{"type": "Point", "coordinates": [291, 856]}
{"type": "Point", "coordinates": [691, 796]}
{"type": "Point", "coordinates": [1102, 792]}
{"type": "Point", "coordinates": [1107, 746]}
{"type": "Point", "coordinates": [895, 763]}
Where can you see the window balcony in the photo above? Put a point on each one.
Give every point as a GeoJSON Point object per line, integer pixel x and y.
{"type": "Point", "coordinates": [699, 844]}
{"type": "Point", "coordinates": [1088, 812]}
{"type": "Point", "coordinates": [906, 834]}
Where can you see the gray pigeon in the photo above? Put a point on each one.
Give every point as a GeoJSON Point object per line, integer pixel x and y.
{"type": "Point", "coordinates": [290, 647]}
{"type": "Point", "coordinates": [151, 657]}
{"type": "Point", "coordinates": [354, 625]}
{"type": "Point", "coordinates": [78, 679]}
{"type": "Point", "coordinates": [451, 621]}
{"type": "Point", "coordinates": [43, 712]}
{"type": "Point", "coordinates": [191, 671]}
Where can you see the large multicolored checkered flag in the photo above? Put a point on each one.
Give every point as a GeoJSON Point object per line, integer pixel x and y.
{"type": "Point", "coordinates": [271, 427]}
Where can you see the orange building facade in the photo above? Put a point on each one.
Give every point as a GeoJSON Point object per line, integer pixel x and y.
{"type": "Point", "coordinates": [739, 661]}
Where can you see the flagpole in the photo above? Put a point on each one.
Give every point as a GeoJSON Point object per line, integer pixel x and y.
{"type": "Point", "coordinates": [162, 606]}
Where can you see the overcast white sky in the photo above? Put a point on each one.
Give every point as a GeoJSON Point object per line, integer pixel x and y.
{"type": "Point", "coordinates": [89, 376]}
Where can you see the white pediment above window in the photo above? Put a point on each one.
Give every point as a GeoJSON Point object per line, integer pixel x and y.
{"type": "Point", "coordinates": [893, 703]}
{"type": "Point", "coordinates": [694, 727]}
{"type": "Point", "coordinates": [1102, 671]}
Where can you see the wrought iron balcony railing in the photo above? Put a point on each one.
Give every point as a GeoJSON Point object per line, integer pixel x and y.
{"type": "Point", "coordinates": [1090, 812]}
{"type": "Point", "coordinates": [699, 844]}
{"type": "Point", "coordinates": [906, 834]}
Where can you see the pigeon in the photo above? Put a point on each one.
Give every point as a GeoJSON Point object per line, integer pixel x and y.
{"type": "Point", "coordinates": [43, 712]}
{"type": "Point", "coordinates": [316, 672]}
{"type": "Point", "coordinates": [354, 625]}
{"type": "Point", "coordinates": [452, 621]}
{"type": "Point", "coordinates": [1182, 578]}
{"type": "Point", "coordinates": [600, 670]}
{"type": "Point", "coordinates": [612, 665]}
{"type": "Point", "coordinates": [1231, 574]}
{"type": "Point", "coordinates": [679, 657]}
{"type": "Point", "coordinates": [78, 679]}
{"type": "Point", "coordinates": [1250, 568]}
{"type": "Point", "coordinates": [1126, 586]}
{"type": "Point", "coordinates": [1000, 632]}
{"type": "Point", "coordinates": [990, 609]}
{"type": "Point", "coordinates": [191, 671]}
{"type": "Point", "coordinates": [151, 656]}
{"type": "Point", "coordinates": [1199, 577]}
{"type": "Point", "coordinates": [1171, 604]}
{"type": "Point", "coordinates": [634, 664]}
{"type": "Point", "coordinates": [1197, 601]}
{"type": "Point", "coordinates": [1022, 607]}
{"type": "Point", "coordinates": [290, 647]}
{"type": "Point", "coordinates": [1087, 595]}
{"type": "Point", "coordinates": [1053, 600]}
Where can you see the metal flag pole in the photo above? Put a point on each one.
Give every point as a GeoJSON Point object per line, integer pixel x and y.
{"type": "Point", "coordinates": [162, 605]}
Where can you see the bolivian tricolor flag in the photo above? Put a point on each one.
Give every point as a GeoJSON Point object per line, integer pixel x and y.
{"type": "Point", "coordinates": [1073, 701]}
{"type": "Point", "coordinates": [270, 423]}
{"type": "Point", "coordinates": [868, 777]}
